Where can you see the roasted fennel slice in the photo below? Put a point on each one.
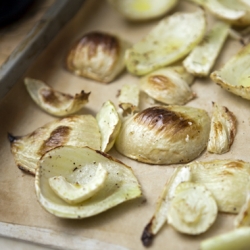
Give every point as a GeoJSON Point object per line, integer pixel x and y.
{"type": "Point", "coordinates": [76, 130]}
{"type": "Point", "coordinates": [231, 11]}
{"type": "Point", "coordinates": [223, 130]}
{"type": "Point", "coordinates": [79, 166]}
{"type": "Point", "coordinates": [129, 97]}
{"type": "Point", "coordinates": [202, 58]}
{"type": "Point", "coordinates": [228, 181]}
{"type": "Point", "coordinates": [167, 85]}
{"type": "Point", "coordinates": [243, 217]}
{"type": "Point", "coordinates": [164, 134]}
{"type": "Point", "coordinates": [246, 2]}
{"type": "Point", "coordinates": [233, 240]}
{"type": "Point", "coordinates": [180, 174]}
{"type": "Point", "coordinates": [234, 75]}
{"type": "Point", "coordinates": [193, 209]}
{"type": "Point", "coordinates": [109, 123]}
{"type": "Point", "coordinates": [54, 102]}
{"type": "Point", "coordinates": [74, 193]}
{"type": "Point", "coordinates": [139, 10]}
{"type": "Point", "coordinates": [173, 38]}
{"type": "Point", "coordinates": [98, 56]}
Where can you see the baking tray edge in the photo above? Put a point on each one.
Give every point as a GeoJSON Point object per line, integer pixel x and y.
{"type": "Point", "coordinates": [35, 41]}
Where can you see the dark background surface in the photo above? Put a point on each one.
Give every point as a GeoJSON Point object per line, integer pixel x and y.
{"type": "Point", "coordinates": [11, 10]}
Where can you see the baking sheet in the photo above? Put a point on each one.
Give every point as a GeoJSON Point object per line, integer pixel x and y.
{"type": "Point", "coordinates": [35, 41]}
{"type": "Point", "coordinates": [120, 227]}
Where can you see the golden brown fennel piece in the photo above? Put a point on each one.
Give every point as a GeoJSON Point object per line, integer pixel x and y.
{"type": "Point", "coordinates": [167, 85]}
{"type": "Point", "coordinates": [223, 130]}
{"type": "Point", "coordinates": [98, 56]}
{"type": "Point", "coordinates": [164, 134]}
{"type": "Point", "coordinates": [76, 130]}
{"type": "Point", "coordinates": [52, 101]}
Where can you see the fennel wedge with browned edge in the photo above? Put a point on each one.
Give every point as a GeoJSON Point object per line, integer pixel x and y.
{"type": "Point", "coordinates": [55, 102]}
{"type": "Point", "coordinates": [76, 130]}
{"type": "Point", "coordinates": [164, 134]}
{"type": "Point", "coordinates": [98, 56]}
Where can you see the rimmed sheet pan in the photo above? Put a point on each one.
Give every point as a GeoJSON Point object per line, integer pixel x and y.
{"type": "Point", "coordinates": [122, 226]}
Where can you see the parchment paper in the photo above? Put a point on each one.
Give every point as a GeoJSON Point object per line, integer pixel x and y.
{"type": "Point", "coordinates": [122, 225]}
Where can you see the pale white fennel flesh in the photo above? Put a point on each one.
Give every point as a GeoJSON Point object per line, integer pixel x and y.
{"type": "Point", "coordinates": [164, 134]}
{"type": "Point", "coordinates": [202, 58]}
{"type": "Point", "coordinates": [231, 11]}
{"type": "Point", "coordinates": [193, 209]}
{"type": "Point", "coordinates": [228, 181]}
{"type": "Point", "coordinates": [109, 123]}
{"type": "Point", "coordinates": [74, 193]}
{"type": "Point", "coordinates": [233, 240]}
{"type": "Point", "coordinates": [75, 130]}
{"type": "Point", "coordinates": [159, 218]}
{"type": "Point", "coordinates": [54, 102]}
{"type": "Point", "coordinates": [234, 75]}
{"type": "Point", "coordinates": [247, 2]}
{"type": "Point", "coordinates": [173, 38]}
{"type": "Point", "coordinates": [242, 219]}
{"type": "Point", "coordinates": [183, 73]}
{"type": "Point", "coordinates": [167, 85]}
{"type": "Point", "coordinates": [223, 130]}
{"type": "Point", "coordinates": [79, 165]}
{"type": "Point", "coordinates": [129, 97]}
{"type": "Point", "coordinates": [142, 9]}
